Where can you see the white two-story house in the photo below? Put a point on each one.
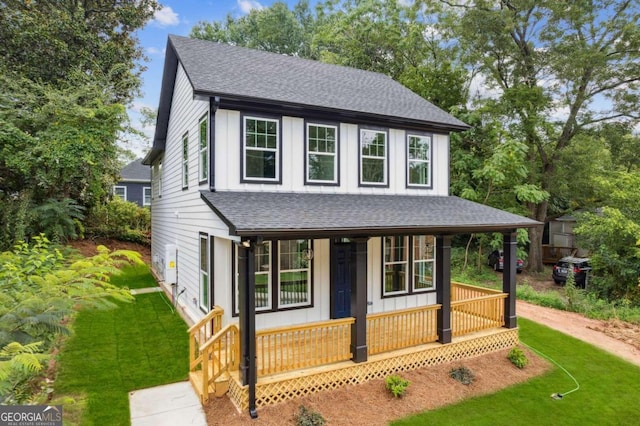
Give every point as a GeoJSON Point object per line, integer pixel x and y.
{"type": "Point", "coordinates": [301, 218]}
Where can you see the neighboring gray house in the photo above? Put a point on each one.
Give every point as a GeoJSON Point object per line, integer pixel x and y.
{"type": "Point", "coordinates": [135, 183]}
{"type": "Point", "coordinates": [290, 194]}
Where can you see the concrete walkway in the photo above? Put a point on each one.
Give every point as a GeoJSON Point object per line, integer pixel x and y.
{"type": "Point", "coordinates": [167, 405]}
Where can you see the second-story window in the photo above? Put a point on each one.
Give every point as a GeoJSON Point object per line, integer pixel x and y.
{"type": "Point", "coordinates": [373, 157]}
{"type": "Point", "coordinates": [185, 161]}
{"type": "Point", "coordinates": [203, 147]}
{"type": "Point", "coordinates": [419, 161]}
{"type": "Point", "coordinates": [260, 150]}
{"type": "Point", "coordinates": [322, 157]}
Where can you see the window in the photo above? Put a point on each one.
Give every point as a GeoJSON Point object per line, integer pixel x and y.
{"type": "Point", "coordinates": [373, 157]}
{"type": "Point", "coordinates": [399, 259]}
{"type": "Point", "coordinates": [395, 264]}
{"type": "Point", "coordinates": [294, 283]}
{"type": "Point", "coordinates": [185, 161]}
{"type": "Point", "coordinates": [419, 161]}
{"type": "Point", "coordinates": [156, 182]}
{"type": "Point", "coordinates": [285, 283]}
{"type": "Point", "coordinates": [423, 262]}
{"type": "Point", "coordinates": [147, 196]}
{"type": "Point", "coordinates": [322, 162]}
{"type": "Point", "coordinates": [204, 272]}
{"type": "Point", "coordinates": [203, 147]}
{"type": "Point", "coordinates": [120, 192]}
{"type": "Point", "coordinates": [261, 150]}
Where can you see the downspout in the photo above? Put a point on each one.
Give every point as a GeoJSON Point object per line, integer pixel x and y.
{"type": "Point", "coordinates": [247, 296]}
{"type": "Point", "coordinates": [214, 103]}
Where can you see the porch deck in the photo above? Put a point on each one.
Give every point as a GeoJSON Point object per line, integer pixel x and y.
{"type": "Point", "coordinates": [299, 360]}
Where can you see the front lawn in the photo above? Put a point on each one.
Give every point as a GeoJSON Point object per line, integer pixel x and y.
{"type": "Point", "coordinates": [608, 394]}
{"type": "Point", "coordinates": [113, 352]}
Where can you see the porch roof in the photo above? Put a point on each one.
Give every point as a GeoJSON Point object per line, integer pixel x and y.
{"type": "Point", "coordinates": [292, 215]}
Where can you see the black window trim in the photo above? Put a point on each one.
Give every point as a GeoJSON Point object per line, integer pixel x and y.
{"type": "Point", "coordinates": [409, 185]}
{"type": "Point", "coordinates": [205, 117]}
{"type": "Point", "coordinates": [410, 288]}
{"type": "Point", "coordinates": [384, 130]}
{"type": "Point", "coordinates": [312, 122]}
{"type": "Point", "coordinates": [278, 119]}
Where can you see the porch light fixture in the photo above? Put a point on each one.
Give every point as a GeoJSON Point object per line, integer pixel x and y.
{"type": "Point", "coordinates": [307, 254]}
{"type": "Point", "coordinates": [246, 243]}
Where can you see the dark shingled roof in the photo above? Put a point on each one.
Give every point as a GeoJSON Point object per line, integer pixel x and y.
{"type": "Point", "coordinates": [271, 214]}
{"type": "Point", "coordinates": [238, 74]}
{"type": "Point", "coordinates": [135, 171]}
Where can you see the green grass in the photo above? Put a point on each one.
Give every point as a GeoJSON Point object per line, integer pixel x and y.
{"type": "Point", "coordinates": [113, 352]}
{"type": "Point", "coordinates": [608, 394]}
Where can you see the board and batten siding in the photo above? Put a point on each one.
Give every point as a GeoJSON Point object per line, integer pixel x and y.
{"type": "Point", "coordinates": [228, 145]}
{"type": "Point", "coordinates": [180, 215]}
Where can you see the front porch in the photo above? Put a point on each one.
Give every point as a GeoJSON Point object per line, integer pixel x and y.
{"type": "Point", "coordinates": [299, 360]}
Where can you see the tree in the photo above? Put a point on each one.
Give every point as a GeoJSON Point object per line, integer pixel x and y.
{"type": "Point", "coordinates": [46, 41]}
{"type": "Point", "coordinates": [555, 69]}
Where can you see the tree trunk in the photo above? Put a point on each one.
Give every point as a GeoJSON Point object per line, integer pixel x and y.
{"type": "Point", "coordinates": [539, 213]}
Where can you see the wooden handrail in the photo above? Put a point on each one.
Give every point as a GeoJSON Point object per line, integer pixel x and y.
{"type": "Point", "coordinates": [201, 332]}
{"type": "Point", "coordinates": [220, 354]}
{"type": "Point", "coordinates": [480, 313]}
{"type": "Point", "coordinates": [461, 291]}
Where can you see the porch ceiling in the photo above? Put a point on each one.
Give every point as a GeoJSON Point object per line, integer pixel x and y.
{"type": "Point", "coordinates": [292, 215]}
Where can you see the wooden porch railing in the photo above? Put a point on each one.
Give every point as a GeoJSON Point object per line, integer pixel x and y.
{"type": "Point", "coordinates": [471, 315]}
{"type": "Point", "coordinates": [301, 346]}
{"type": "Point", "coordinates": [201, 332]}
{"type": "Point", "coordinates": [460, 291]}
{"type": "Point", "coordinates": [388, 331]}
{"type": "Point", "coordinates": [220, 355]}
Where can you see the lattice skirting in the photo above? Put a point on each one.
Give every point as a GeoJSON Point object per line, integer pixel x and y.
{"type": "Point", "coordinates": [276, 389]}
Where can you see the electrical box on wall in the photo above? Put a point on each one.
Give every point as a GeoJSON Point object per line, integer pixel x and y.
{"type": "Point", "coordinates": [170, 263]}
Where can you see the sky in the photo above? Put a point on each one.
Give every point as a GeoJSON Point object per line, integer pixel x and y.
{"type": "Point", "coordinates": [177, 17]}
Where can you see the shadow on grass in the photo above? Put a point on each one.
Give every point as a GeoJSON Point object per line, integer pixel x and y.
{"type": "Point", "coordinates": [112, 352]}
{"type": "Point", "coordinates": [608, 394]}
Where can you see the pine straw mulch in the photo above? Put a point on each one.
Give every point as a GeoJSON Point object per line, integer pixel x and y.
{"type": "Point", "coordinates": [371, 404]}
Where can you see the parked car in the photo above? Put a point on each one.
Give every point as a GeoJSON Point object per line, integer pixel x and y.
{"type": "Point", "coordinates": [496, 261]}
{"type": "Point", "coordinates": [580, 267]}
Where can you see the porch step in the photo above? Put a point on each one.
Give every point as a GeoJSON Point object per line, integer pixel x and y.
{"type": "Point", "coordinates": [218, 388]}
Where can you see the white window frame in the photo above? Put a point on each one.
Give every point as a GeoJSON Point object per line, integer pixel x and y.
{"type": "Point", "coordinates": [157, 181]}
{"type": "Point", "coordinates": [276, 150]}
{"type": "Point", "coordinates": [316, 152]}
{"type": "Point", "coordinates": [203, 148]}
{"type": "Point", "coordinates": [414, 262]}
{"type": "Point", "coordinates": [281, 270]}
{"type": "Point", "coordinates": [428, 162]}
{"type": "Point", "coordinates": [146, 199]}
{"type": "Point", "coordinates": [185, 161]}
{"type": "Point", "coordinates": [385, 158]}
{"type": "Point", "coordinates": [205, 274]}
{"type": "Point", "coordinates": [404, 262]}
{"type": "Point", "coordinates": [123, 197]}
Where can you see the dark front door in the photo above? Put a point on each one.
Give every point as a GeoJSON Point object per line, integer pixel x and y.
{"type": "Point", "coordinates": [341, 281]}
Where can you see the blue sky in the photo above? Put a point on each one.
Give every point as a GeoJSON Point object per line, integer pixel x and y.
{"type": "Point", "coordinates": [178, 17]}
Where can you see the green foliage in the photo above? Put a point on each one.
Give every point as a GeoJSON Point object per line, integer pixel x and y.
{"type": "Point", "coordinates": [58, 219]}
{"type": "Point", "coordinates": [122, 220]}
{"type": "Point", "coordinates": [307, 417]}
{"type": "Point", "coordinates": [518, 357]}
{"type": "Point", "coordinates": [463, 375]}
{"type": "Point", "coordinates": [396, 385]}
{"type": "Point", "coordinates": [39, 291]}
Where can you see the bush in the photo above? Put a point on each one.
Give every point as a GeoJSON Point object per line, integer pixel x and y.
{"type": "Point", "coordinates": [121, 220]}
{"type": "Point", "coordinates": [463, 375]}
{"type": "Point", "coordinates": [309, 418]}
{"type": "Point", "coordinates": [396, 385]}
{"type": "Point", "coordinates": [518, 357]}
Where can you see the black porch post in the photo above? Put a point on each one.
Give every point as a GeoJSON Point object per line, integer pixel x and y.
{"type": "Point", "coordinates": [509, 245]}
{"type": "Point", "coordinates": [359, 299]}
{"type": "Point", "coordinates": [443, 287]}
{"type": "Point", "coordinates": [247, 317]}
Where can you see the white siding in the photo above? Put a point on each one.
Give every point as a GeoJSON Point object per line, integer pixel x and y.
{"type": "Point", "coordinates": [228, 145]}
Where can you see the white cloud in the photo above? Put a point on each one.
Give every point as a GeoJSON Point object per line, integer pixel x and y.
{"type": "Point", "coordinates": [166, 17]}
{"type": "Point", "coordinates": [247, 6]}
{"type": "Point", "coordinates": [155, 51]}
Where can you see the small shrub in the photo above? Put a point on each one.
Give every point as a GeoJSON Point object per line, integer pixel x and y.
{"type": "Point", "coordinates": [396, 385]}
{"type": "Point", "coordinates": [309, 418]}
{"type": "Point", "coordinates": [463, 375]}
{"type": "Point", "coordinates": [518, 357]}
